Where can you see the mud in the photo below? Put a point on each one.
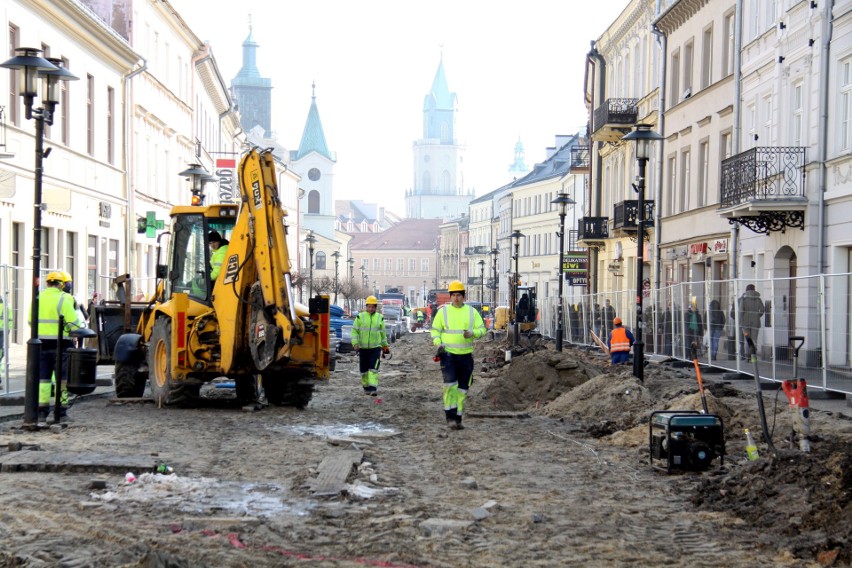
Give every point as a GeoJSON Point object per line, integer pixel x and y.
{"type": "Point", "coordinates": [569, 485]}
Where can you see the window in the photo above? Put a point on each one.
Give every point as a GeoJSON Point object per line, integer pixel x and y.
{"type": "Point", "coordinates": [424, 265]}
{"type": "Point", "coordinates": [798, 115]}
{"type": "Point", "coordinates": [45, 52]}
{"type": "Point", "coordinates": [751, 116]}
{"type": "Point", "coordinates": [766, 120]}
{"type": "Point", "coordinates": [388, 265]}
{"type": "Point", "coordinates": [63, 109]}
{"type": "Point", "coordinates": [672, 185]}
{"type": "Point", "coordinates": [314, 201]}
{"type": "Point", "coordinates": [753, 19]}
{"type": "Point", "coordinates": [91, 265]}
{"type": "Point", "coordinates": [726, 145]}
{"type": "Point", "coordinates": [728, 47]}
{"type": "Point", "coordinates": [70, 250]}
{"type": "Point", "coordinates": [14, 95]}
{"type": "Point", "coordinates": [674, 89]}
{"type": "Point", "coordinates": [703, 173]}
{"type": "Point", "coordinates": [707, 58]}
{"type": "Point", "coordinates": [90, 115]}
{"type": "Point", "coordinates": [846, 105]}
{"type": "Point", "coordinates": [110, 120]}
{"type": "Point", "coordinates": [686, 179]}
{"type": "Point", "coordinates": [400, 265]}
{"type": "Point", "coordinates": [688, 55]}
{"type": "Point", "coordinates": [113, 258]}
{"type": "Point", "coordinates": [412, 265]}
{"type": "Point", "coordinates": [377, 265]}
{"type": "Point", "coordinates": [320, 259]}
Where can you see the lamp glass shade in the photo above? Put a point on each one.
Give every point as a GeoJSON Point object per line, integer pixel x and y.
{"type": "Point", "coordinates": [52, 78]}
{"type": "Point", "coordinates": [28, 60]}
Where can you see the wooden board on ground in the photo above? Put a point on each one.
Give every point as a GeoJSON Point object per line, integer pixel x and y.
{"type": "Point", "coordinates": [600, 342]}
{"type": "Point", "coordinates": [334, 470]}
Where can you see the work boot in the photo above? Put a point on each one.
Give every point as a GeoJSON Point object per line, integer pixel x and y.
{"type": "Point", "coordinates": [458, 423]}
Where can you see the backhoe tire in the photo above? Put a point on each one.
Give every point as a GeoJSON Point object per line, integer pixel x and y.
{"type": "Point", "coordinates": [164, 389]}
{"type": "Point", "coordinates": [287, 392]}
{"type": "Point", "coordinates": [246, 388]}
{"type": "Point", "coordinates": [129, 382]}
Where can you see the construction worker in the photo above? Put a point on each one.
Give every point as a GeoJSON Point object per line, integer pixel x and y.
{"type": "Point", "coordinates": [218, 251]}
{"type": "Point", "coordinates": [68, 287]}
{"type": "Point", "coordinates": [620, 341]}
{"type": "Point", "coordinates": [454, 328]}
{"type": "Point", "coordinates": [53, 302]}
{"type": "Point", "coordinates": [7, 324]}
{"type": "Point", "coordinates": [370, 342]}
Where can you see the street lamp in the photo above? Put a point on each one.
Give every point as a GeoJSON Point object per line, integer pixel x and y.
{"type": "Point", "coordinates": [336, 255]}
{"type": "Point", "coordinates": [197, 176]}
{"type": "Point", "coordinates": [310, 239]}
{"type": "Point", "coordinates": [437, 260]}
{"type": "Point", "coordinates": [516, 328]}
{"type": "Point", "coordinates": [643, 135]}
{"type": "Point", "coordinates": [32, 67]}
{"type": "Point", "coordinates": [351, 262]}
{"type": "Point", "coordinates": [563, 201]}
{"type": "Point", "coordinates": [423, 303]}
{"type": "Point", "coordinates": [494, 254]}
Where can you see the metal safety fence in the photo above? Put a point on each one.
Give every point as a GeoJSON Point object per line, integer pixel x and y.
{"type": "Point", "coordinates": [804, 322]}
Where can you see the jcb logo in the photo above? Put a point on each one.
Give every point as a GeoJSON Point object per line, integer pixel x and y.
{"type": "Point", "coordinates": [232, 269]}
{"type": "Point", "coordinates": [255, 192]}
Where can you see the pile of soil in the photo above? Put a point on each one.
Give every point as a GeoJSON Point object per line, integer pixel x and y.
{"type": "Point", "coordinates": [801, 499]}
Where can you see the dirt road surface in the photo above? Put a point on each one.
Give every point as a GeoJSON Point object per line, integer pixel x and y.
{"type": "Point", "coordinates": [550, 470]}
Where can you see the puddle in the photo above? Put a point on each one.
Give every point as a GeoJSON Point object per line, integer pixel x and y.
{"type": "Point", "coordinates": [365, 429]}
{"type": "Point", "coordinates": [207, 496]}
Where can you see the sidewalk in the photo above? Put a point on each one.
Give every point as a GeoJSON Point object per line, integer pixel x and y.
{"type": "Point", "coordinates": [12, 390]}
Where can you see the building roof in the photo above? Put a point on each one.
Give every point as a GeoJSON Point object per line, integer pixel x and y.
{"type": "Point", "coordinates": [313, 137]}
{"type": "Point", "coordinates": [410, 234]}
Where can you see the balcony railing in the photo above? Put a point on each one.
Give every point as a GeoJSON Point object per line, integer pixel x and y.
{"type": "Point", "coordinates": [625, 215]}
{"type": "Point", "coordinates": [481, 249]}
{"type": "Point", "coordinates": [592, 228]}
{"type": "Point", "coordinates": [618, 113]}
{"type": "Point", "coordinates": [474, 281]}
{"type": "Point", "coordinates": [762, 174]}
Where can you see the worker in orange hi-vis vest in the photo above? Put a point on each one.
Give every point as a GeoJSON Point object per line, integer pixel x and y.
{"type": "Point", "coordinates": [619, 342]}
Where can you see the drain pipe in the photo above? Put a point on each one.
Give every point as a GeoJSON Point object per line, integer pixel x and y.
{"type": "Point", "coordinates": [129, 170]}
{"type": "Point", "coordinates": [599, 66]}
{"type": "Point", "coordinates": [735, 143]}
{"type": "Point", "coordinates": [823, 141]}
{"type": "Point", "coordinates": [662, 41]}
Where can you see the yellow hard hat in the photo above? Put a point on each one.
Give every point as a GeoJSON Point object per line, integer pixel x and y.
{"type": "Point", "coordinates": [66, 277]}
{"type": "Point", "coordinates": [55, 276]}
{"type": "Point", "coordinates": [371, 300]}
{"type": "Point", "coordinates": [456, 286]}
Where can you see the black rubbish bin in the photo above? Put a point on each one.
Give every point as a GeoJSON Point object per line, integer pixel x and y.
{"type": "Point", "coordinates": [82, 370]}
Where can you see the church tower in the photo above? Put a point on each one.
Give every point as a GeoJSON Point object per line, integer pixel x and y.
{"type": "Point", "coordinates": [253, 93]}
{"type": "Point", "coordinates": [439, 190]}
{"type": "Point", "coordinates": [315, 164]}
{"type": "Point", "coordinates": [518, 168]}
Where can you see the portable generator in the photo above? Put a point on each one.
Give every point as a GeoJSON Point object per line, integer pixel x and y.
{"type": "Point", "coordinates": [685, 440]}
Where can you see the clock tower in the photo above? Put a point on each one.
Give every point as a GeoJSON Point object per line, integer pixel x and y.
{"type": "Point", "coordinates": [253, 93]}
{"type": "Point", "coordinates": [439, 190]}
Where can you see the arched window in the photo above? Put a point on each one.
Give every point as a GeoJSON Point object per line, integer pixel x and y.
{"type": "Point", "coordinates": [314, 201]}
{"type": "Point", "coordinates": [427, 183]}
{"type": "Point", "coordinates": [319, 263]}
{"type": "Point", "coordinates": [445, 182]}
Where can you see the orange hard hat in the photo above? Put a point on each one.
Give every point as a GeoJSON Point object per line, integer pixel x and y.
{"type": "Point", "coordinates": [616, 321]}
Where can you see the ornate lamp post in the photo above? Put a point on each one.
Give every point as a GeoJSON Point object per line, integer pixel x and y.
{"type": "Point", "coordinates": [643, 135]}
{"type": "Point", "coordinates": [310, 239]}
{"type": "Point", "coordinates": [562, 200]}
{"type": "Point", "coordinates": [336, 255]}
{"type": "Point", "coordinates": [31, 68]}
{"type": "Point", "coordinates": [516, 328]}
{"type": "Point", "coordinates": [197, 176]}
{"type": "Point", "coordinates": [494, 254]}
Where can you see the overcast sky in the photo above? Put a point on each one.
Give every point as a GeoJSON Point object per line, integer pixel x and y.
{"type": "Point", "coordinates": [516, 67]}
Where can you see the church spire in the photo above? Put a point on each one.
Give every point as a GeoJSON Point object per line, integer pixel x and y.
{"type": "Point", "coordinates": [313, 137]}
{"type": "Point", "coordinates": [519, 166]}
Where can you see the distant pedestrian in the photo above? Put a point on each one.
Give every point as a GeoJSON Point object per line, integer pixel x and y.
{"type": "Point", "coordinates": [694, 329]}
{"type": "Point", "coordinates": [751, 314]}
{"type": "Point", "coordinates": [608, 317]}
{"type": "Point", "coordinates": [717, 325]}
{"type": "Point", "coordinates": [620, 341]}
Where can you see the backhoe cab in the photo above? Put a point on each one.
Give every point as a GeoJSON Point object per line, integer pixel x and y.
{"type": "Point", "coordinates": [244, 324]}
{"type": "Point", "coordinates": [525, 311]}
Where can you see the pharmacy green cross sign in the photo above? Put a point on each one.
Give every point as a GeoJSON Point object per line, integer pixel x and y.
{"type": "Point", "coordinates": [149, 224]}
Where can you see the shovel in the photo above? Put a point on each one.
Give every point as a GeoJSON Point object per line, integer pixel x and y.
{"type": "Point", "coordinates": [694, 347]}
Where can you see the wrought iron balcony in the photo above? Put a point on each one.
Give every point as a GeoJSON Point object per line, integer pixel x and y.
{"type": "Point", "coordinates": [614, 118]}
{"type": "Point", "coordinates": [481, 249]}
{"type": "Point", "coordinates": [764, 188]}
{"type": "Point", "coordinates": [580, 163]}
{"type": "Point", "coordinates": [625, 215]}
{"type": "Point", "coordinates": [592, 229]}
